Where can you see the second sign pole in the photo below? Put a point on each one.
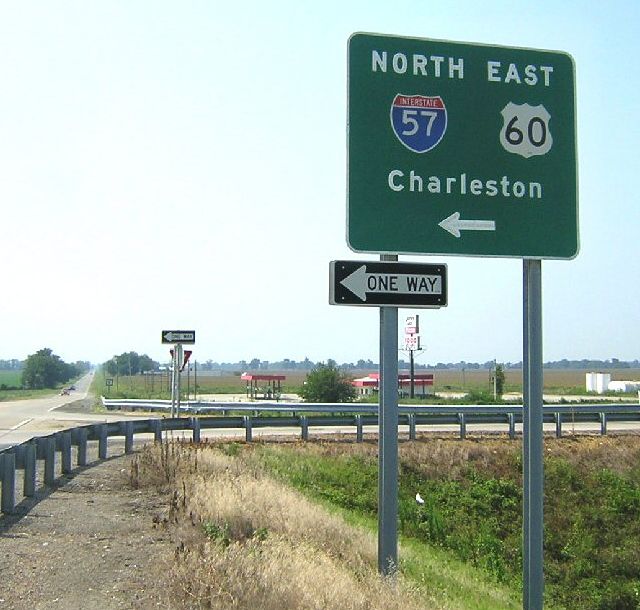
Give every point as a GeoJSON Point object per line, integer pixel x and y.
{"type": "Point", "coordinates": [388, 440]}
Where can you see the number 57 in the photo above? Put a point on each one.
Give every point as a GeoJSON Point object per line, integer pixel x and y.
{"type": "Point", "coordinates": [409, 119]}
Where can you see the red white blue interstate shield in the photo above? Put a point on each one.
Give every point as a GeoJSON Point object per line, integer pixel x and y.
{"type": "Point", "coordinates": [419, 121]}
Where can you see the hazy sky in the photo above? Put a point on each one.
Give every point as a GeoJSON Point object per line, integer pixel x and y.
{"type": "Point", "coordinates": [182, 165]}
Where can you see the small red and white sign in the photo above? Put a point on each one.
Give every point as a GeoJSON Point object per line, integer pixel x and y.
{"type": "Point", "coordinates": [412, 325]}
{"type": "Point", "coordinates": [412, 343]}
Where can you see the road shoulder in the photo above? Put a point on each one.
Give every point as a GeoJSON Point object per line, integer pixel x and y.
{"type": "Point", "coordinates": [90, 543]}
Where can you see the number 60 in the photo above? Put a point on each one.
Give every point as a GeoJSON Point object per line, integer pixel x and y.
{"type": "Point", "coordinates": [536, 132]}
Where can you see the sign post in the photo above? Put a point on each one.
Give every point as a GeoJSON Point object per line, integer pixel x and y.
{"type": "Point", "coordinates": [533, 446]}
{"type": "Point", "coordinates": [412, 344]}
{"type": "Point", "coordinates": [388, 440]}
{"type": "Point", "coordinates": [177, 338]}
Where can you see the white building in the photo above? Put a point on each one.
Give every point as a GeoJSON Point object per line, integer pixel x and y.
{"type": "Point", "coordinates": [601, 383]}
{"type": "Point", "coordinates": [624, 386]}
{"type": "Point", "coordinates": [598, 382]}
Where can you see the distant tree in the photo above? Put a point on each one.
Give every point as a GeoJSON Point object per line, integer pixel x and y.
{"type": "Point", "coordinates": [327, 383]}
{"type": "Point", "coordinates": [11, 365]}
{"type": "Point", "coordinates": [130, 363]}
{"type": "Point", "coordinates": [46, 370]}
{"type": "Point", "coordinates": [146, 364]}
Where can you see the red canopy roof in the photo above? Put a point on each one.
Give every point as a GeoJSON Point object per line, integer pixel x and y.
{"type": "Point", "coordinates": [252, 377]}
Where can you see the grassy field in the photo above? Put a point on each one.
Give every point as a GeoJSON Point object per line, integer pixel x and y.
{"type": "Point", "coordinates": [246, 513]}
{"type": "Point", "coordinates": [158, 386]}
{"type": "Point", "coordinates": [11, 387]}
{"type": "Point", "coordinates": [473, 494]}
{"type": "Point", "coordinates": [239, 529]}
{"type": "Point", "coordinates": [10, 378]}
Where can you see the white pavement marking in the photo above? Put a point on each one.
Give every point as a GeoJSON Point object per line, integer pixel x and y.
{"type": "Point", "coordinates": [22, 423]}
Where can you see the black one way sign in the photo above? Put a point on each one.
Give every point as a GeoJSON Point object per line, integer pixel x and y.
{"type": "Point", "coordinates": [389, 284]}
{"type": "Point", "coordinates": [178, 336]}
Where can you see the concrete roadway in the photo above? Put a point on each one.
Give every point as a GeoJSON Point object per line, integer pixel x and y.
{"type": "Point", "coordinates": [21, 420]}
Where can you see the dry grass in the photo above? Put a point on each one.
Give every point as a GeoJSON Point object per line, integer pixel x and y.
{"type": "Point", "coordinates": [244, 540]}
{"type": "Point", "coordinates": [449, 458]}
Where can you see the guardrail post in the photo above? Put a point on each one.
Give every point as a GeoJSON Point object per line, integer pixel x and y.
{"type": "Point", "coordinates": [512, 425]}
{"type": "Point", "coordinates": [102, 441]}
{"type": "Point", "coordinates": [359, 429]}
{"type": "Point", "coordinates": [82, 446]}
{"type": "Point", "coordinates": [156, 426]}
{"type": "Point", "coordinates": [558, 418]}
{"type": "Point", "coordinates": [8, 468]}
{"type": "Point", "coordinates": [65, 452]}
{"type": "Point", "coordinates": [49, 460]}
{"type": "Point", "coordinates": [463, 425]}
{"type": "Point", "coordinates": [603, 423]}
{"type": "Point", "coordinates": [248, 432]}
{"type": "Point", "coordinates": [18, 451]}
{"type": "Point", "coordinates": [195, 426]}
{"type": "Point", "coordinates": [128, 437]}
{"type": "Point", "coordinates": [304, 427]}
{"type": "Point", "coordinates": [29, 483]}
{"type": "Point", "coordinates": [412, 426]}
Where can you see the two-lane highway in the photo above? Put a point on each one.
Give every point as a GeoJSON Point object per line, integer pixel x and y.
{"type": "Point", "coordinates": [21, 420]}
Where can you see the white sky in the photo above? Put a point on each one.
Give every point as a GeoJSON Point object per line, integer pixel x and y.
{"type": "Point", "coordinates": [182, 165]}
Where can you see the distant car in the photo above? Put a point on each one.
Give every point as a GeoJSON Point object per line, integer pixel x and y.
{"type": "Point", "coordinates": [64, 392]}
{"type": "Point", "coordinates": [72, 388]}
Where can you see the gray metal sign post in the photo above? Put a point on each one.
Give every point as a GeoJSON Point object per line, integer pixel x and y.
{"type": "Point", "coordinates": [388, 440]}
{"type": "Point", "coordinates": [179, 354]}
{"type": "Point", "coordinates": [533, 446]}
{"type": "Point", "coordinates": [177, 337]}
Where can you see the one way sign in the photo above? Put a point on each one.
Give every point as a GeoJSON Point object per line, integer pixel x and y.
{"type": "Point", "coordinates": [178, 336]}
{"type": "Point", "coordinates": [389, 284]}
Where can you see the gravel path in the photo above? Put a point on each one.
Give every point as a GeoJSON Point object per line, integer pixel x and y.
{"type": "Point", "coordinates": [91, 543]}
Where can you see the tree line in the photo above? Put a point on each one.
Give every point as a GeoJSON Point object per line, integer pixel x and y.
{"type": "Point", "coordinates": [287, 364]}
{"type": "Point", "coordinates": [129, 363]}
{"type": "Point", "coordinates": [44, 369]}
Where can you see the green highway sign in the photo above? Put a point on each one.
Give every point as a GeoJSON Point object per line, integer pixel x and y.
{"type": "Point", "coordinates": [461, 149]}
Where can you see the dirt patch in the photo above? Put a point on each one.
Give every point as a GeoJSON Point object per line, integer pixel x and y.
{"type": "Point", "coordinates": [84, 405]}
{"type": "Point", "coordinates": [90, 543]}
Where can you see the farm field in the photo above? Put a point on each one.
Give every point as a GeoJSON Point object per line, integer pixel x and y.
{"type": "Point", "coordinates": [10, 378]}
{"type": "Point", "coordinates": [11, 387]}
{"type": "Point", "coordinates": [556, 381]}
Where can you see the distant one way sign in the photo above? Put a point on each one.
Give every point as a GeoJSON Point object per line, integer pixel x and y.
{"type": "Point", "coordinates": [178, 336]}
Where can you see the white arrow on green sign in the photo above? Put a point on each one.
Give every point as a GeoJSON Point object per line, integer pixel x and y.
{"type": "Point", "coordinates": [454, 225]}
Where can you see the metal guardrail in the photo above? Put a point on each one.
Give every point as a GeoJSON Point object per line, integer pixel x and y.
{"type": "Point", "coordinates": [231, 415]}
